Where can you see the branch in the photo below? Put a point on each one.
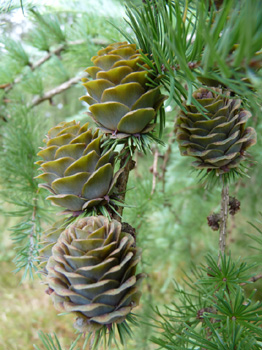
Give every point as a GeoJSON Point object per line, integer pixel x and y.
{"type": "Point", "coordinates": [42, 60]}
{"type": "Point", "coordinates": [127, 164]}
{"type": "Point", "coordinates": [223, 218]}
{"type": "Point", "coordinates": [154, 170]}
{"type": "Point", "coordinates": [252, 279]}
{"type": "Point", "coordinates": [57, 90]}
{"type": "Point", "coordinates": [166, 158]}
{"type": "Point", "coordinates": [33, 230]}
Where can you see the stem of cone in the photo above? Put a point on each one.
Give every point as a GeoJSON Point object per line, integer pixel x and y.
{"type": "Point", "coordinates": [223, 218]}
{"type": "Point", "coordinates": [127, 163]}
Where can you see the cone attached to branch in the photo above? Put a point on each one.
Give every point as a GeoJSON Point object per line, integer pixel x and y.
{"type": "Point", "coordinates": [218, 138]}
{"type": "Point", "coordinates": [74, 169]}
{"type": "Point", "coordinates": [121, 102]}
{"type": "Point", "coordinates": [92, 273]}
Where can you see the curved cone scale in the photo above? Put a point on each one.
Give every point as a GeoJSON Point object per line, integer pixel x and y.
{"type": "Point", "coordinates": [88, 310]}
{"type": "Point", "coordinates": [106, 158]}
{"type": "Point", "coordinates": [126, 94]}
{"type": "Point", "coordinates": [124, 52]}
{"type": "Point", "coordinates": [219, 140]}
{"type": "Point", "coordinates": [76, 173]}
{"type": "Point", "coordinates": [128, 90]}
{"type": "Point", "coordinates": [115, 75]}
{"type": "Point", "coordinates": [114, 316]}
{"type": "Point", "coordinates": [135, 121]}
{"type": "Point", "coordinates": [98, 183]}
{"type": "Point", "coordinates": [48, 153]}
{"type": "Point", "coordinates": [74, 150]}
{"type": "Point", "coordinates": [149, 99]}
{"type": "Point", "coordinates": [57, 166]}
{"type": "Point", "coordinates": [92, 71]}
{"type": "Point", "coordinates": [95, 88]}
{"type": "Point", "coordinates": [70, 184]}
{"type": "Point", "coordinates": [86, 164]}
{"type": "Point", "coordinates": [85, 137]}
{"type": "Point", "coordinates": [106, 62]}
{"type": "Point", "coordinates": [60, 140]}
{"type": "Point", "coordinates": [139, 77]}
{"type": "Point", "coordinates": [47, 177]}
{"type": "Point", "coordinates": [109, 114]}
{"type": "Point", "coordinates": [68, 129]}
{"type": "Point", "coordinates": [69, 201]}
{"type": "Point", "coordinates": [88, 283]}
{"type": "Point", "coordinates": [88, 99]}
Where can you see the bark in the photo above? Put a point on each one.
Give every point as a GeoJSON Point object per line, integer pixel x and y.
{"type": "Point", "coordinates": [127, 163]}
{"type": "Point", "coordinates": [223, 218]}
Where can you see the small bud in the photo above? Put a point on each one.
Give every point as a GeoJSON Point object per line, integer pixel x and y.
{"type": "Point", "coordinates": [234, 205]}
{"type": "Point", "coordinates": [213, 221]}
{"type": "Point", "coordinates": [205, 309]}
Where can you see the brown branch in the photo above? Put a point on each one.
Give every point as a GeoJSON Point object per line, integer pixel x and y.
{"type": "Point", "coordinates": [164, 165]}
{"type": "Point", "coordinates": [57, 90]}
{"type": "Point", "coordinates": [127, 164]}
{"type": "Point", "coordinates": [252, 279]}
{"type": "Point", "coordinates": [32, 235]}
{"type": "Point", "coordinates": [223, 218]}
{"type": "Point", "coordinates": [154, 171]}
{"type": "Point", "coordinates": [45, 58]}
{"type": "Point", "coordinates": [137, 154]}
{"type": "Point", "coordinates": [166, 159]}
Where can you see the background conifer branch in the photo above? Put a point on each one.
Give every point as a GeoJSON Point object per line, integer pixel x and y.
{"type": "Point", "coordinates": [55, 52]}
{"type": "Point", "coordinates": [252, 280]}
{"type": "Point", "coordinates": [57, 90]}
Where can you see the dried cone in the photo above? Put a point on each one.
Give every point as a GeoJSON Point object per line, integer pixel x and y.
{"type": "Point", "coordinates": [120, 101]}
{"type": "Point", "coordinates": [74, 170]}
{"type": "Point", "coordinates": [92, 273]}
{"type": "Point", "coordinates": [218, 139]}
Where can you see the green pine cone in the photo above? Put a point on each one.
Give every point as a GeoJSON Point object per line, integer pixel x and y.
{"type": "Point", "coordinates": [74, 170]}
{"type": "Point", "coordinates": [92, 273]}
{"type": "Point", "coordinates": [120, 101]}
{"type": "Point", "coordinates": [219, 140]}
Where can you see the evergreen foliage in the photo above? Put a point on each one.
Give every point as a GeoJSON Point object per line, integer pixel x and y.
{"type": "Point", "coordinates": [214, 312]}
{"type": "Point", "coordinates": [187, 43]}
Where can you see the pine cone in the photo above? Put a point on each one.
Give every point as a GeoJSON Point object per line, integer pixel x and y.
{"type": "Point", "coordinates": [74, 170]}
{"type": "Point", "coordinates": [120, 101]}
{"type": "Point", "coordinates": [92, 273]}
{"type": "Point", "coordinates": [219, 139]}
